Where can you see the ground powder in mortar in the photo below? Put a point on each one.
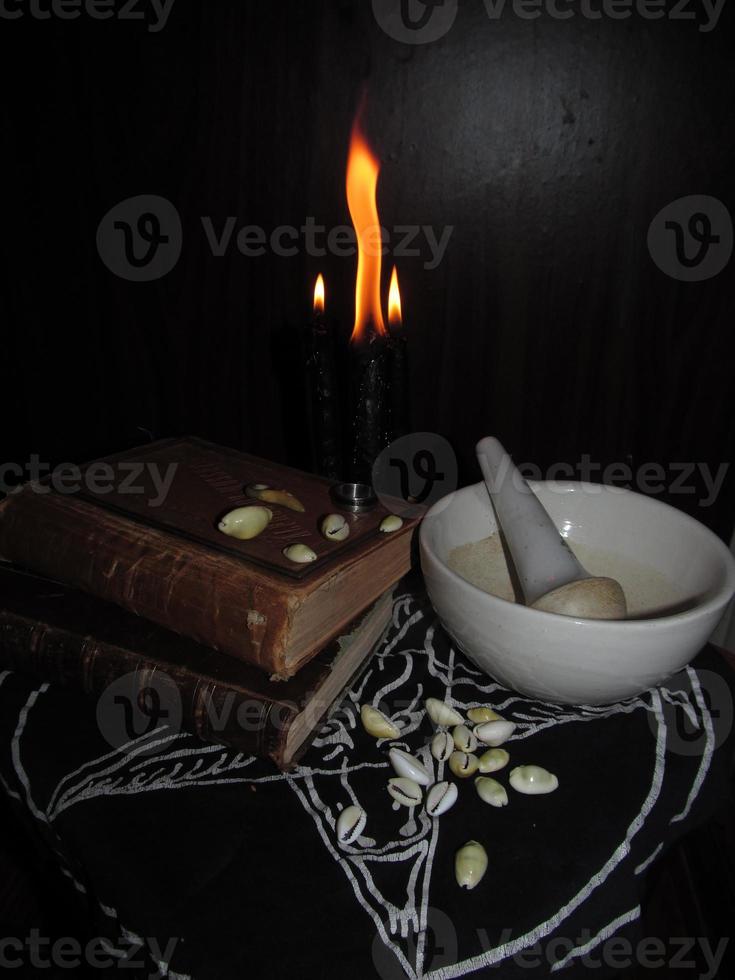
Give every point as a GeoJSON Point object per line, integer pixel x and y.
{"type": "Point", "coordinates": [647, 591]}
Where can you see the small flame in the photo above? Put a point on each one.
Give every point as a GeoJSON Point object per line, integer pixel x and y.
{"type": "Point", "coordinates": [319, 294]}
{"type": "Point", "coordinates": [394, 301]}
{"type": "Point", "coordinates": [362, 182]}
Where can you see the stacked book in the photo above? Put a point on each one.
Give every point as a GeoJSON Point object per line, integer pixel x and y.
{"type": "Point", "coordinates": [133, 579]}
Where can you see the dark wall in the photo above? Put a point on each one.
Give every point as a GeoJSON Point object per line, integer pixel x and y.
{"type": "Point", "coordinates": [547, 145]}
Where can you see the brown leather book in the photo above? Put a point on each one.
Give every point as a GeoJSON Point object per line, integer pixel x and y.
{"type": "Point", "coordinates": [140, 529]}
{"type": "Point", "coordinates": [144, 677]}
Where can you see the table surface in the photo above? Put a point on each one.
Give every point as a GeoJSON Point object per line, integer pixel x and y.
{"type": "Point", "coordinates": [211, 864]}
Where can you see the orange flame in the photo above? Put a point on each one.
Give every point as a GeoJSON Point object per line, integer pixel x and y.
{"type": "Point", "coordinates": [319, 294]}
{"type": "Point", "coordinates": [362, 182]}
{"type": "Point", "coordinates": [394, 301]}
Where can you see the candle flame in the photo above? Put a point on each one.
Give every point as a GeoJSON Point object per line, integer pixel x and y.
{"type": "Point", "coordinates": [394, 301]}
{"type": "Point", "coordinates": [362, 182]}
{"type": "Point", "coordinates": [319, 294]}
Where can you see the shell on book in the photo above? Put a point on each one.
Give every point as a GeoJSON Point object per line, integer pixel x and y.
{"type": "Point", "coordinates": [441, 713]}
{"type": "Point", "coordinates": [408, 765]}
{"type": "Point", "coordinates": [300, 553]}
{"type": "Point", "coordinates": [334, 527]}
{"type": "Point", "coordinates": [261, 491]}
{"type": "Point", "coordinates": [494, 732]}
{"type": "Point", "coordinates": [405, 791]}
{"type": "Point", "coordinates": [245, 523]}
{"type": "Point", "coordinates": [376, 724]}
{"type": "Point", "coordinates": [491, 791]}
{"type": "Point", "coordinates": [440, 798]}
{"type": "Point", "coordinates": [350, 824]}
{"type": "Point", "coordinates": [470, 864]}
{"type": "Point", "coordinates": [391, 523]}
{"type": "Point", "coordinates": [533, 780]}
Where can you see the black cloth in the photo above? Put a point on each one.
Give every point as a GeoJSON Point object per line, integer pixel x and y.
{"type": "Point", "coordinates": [222, 867]}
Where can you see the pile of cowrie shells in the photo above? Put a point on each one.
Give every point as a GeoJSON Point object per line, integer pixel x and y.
{"type": "Point", "coordinates": [459, 748]}
{"type": "Point", "coordinates": [246, 523]}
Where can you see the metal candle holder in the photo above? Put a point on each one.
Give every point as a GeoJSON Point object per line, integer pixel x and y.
{"type": "Point", "coordinates": [355, 497]}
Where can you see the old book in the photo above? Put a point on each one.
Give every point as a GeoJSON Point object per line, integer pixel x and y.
{"type": "Point", "coordinates": [140, 529]}
{"type": "Point", "coordinates": [78, 642]}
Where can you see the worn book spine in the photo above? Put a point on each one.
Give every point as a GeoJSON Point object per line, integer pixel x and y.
{"type": "Point", "coordinates": [216, 712]}
{"type": "Point", "coordinates": [75, 641]}
{"type": "Point", "coordinates": [210, 597]}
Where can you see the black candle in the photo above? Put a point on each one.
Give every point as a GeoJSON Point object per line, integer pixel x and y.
{"type": "Point", "coordinates": [400, 421]}
{"type": "Point", "coordinates": [369, 401]}
{"type": "Point", "coordinates": [369, 355]}
{"type": "Point", "coordinates": [322, 377]}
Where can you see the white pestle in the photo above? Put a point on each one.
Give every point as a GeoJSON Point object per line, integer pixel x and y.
{"type": "Point", "coordinates": [551, 577]}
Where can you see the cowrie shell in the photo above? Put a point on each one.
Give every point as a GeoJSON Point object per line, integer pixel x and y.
{"type": "Point", "coordinates": [376, 724]}
{"type": "Point", "coordinates": [463, 764]}
{"type": "Point", "coordinates": [441, 713]}
{"type": "Point", "coordinates": [300, 553]}
{"type": "Point", "coordinates": [404, 791]}
{"type": "Point", "coordinates": [440, 798]}
{"type": "Point", "coordinates": [334, 527]}
{"type": "Point", "coordinates": [463, 738]}
{"type": "Point", "coordinates": [494, 732]}
{"type": "Point", "coordinates": [532, 780]}
{"type": "Point", "coordinates": [407, 765]}
{"type": "Point", "coordinates": [442, 746]}
{"type": "Point", "coordinates": [470, 864]}
{"type": "Point", "coordinates": [245, 523]}
{"type": "Point", "coordinates": [350, 824]}
{"type": "Point", "coordinates": [260, 491]}
{"type": "Point", "coordinates": [491, 791]}
{"type": "Point", "coordinates": [493, 759]}
{"type": "Point", "coordinates": [482, 714]}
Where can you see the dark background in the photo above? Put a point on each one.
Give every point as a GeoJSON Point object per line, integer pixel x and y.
{"type": "Point", "coordinates": [548, 145]}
